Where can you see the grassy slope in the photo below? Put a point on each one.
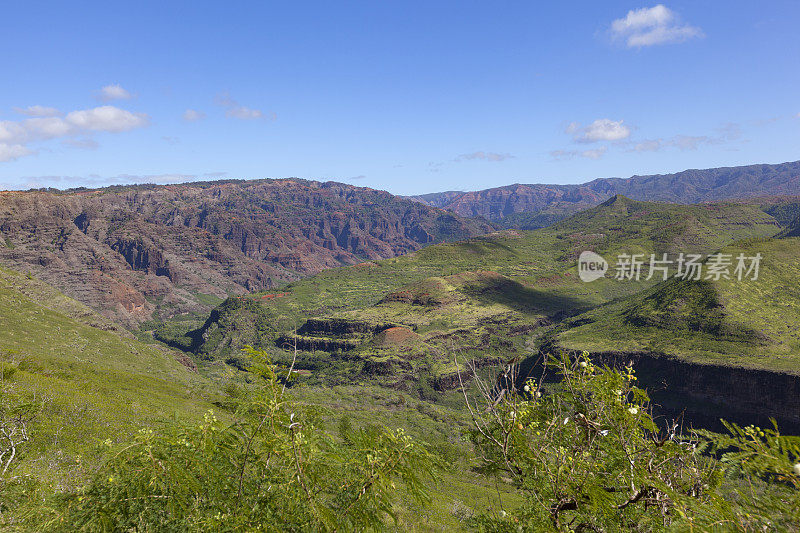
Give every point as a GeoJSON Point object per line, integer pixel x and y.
{"type": "Point", "coordinates": [442, 426]}
{"type": "Point", "coordinates": [746, 323]}
{"type": "Point", "coordinates": [543, 257]}
{"type": "Point", "coordinates": [512, 278]}
{"type": "Point", "coordinates": [96, 384]}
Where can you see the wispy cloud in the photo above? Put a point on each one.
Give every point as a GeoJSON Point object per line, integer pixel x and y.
{"type": "Point", "coordinates": [563, 155]}
{"type": "Point", "coordinates": [16, 136]}
{"type": "Point", "coordinates": [193, 115]}
{"type": "Point", "coordinates": [38, 111]}
{"type": "Point", "coordinates": [485, 156]}
{"type": "Point", "coordinates": [649, 145]}
{"type": "Point", "coordinates": [602, 129]}
{"type": "Point", "coordinates": [728, 132]}
{"type": "Point", "coordinates": [234, 110]}
{"type": "Point", "coordinates": [649, 26]}
{"type": "Point", "coordinates": [113, 92]}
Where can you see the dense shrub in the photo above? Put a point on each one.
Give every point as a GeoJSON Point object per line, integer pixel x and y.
{"type": "Point", "coordinates": [589, 457]}
{"type": "Point", "coordinates": [272, 469]}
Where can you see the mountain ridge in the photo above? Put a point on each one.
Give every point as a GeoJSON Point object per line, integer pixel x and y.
{"type": "Point", "coordinates": [688, 186]}
{"type": "Point", "coordinates": [170, 249]}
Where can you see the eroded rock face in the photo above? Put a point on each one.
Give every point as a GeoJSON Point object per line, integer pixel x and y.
{"type": "Point", "coordinates": [130, 251]}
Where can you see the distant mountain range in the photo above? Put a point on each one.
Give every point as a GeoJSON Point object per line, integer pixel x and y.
{"type": "Point", "coordinates": [130, 251]}
{"type": "Point", "coordinates": [537, 205]}
{"type": "Point", "coordinates": [142, 252]}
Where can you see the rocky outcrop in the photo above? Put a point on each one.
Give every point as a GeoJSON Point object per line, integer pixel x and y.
{"type": "Point", "coordinates": [130, 251]}
{"type": "Point", "coordinates": [311, 344]}
{"type": "Point", "coordinates": [341, 326]}
{"type": "Point", "coordinates": [142, 257]}
{"type": "Point", "coordinates": [385, 367]}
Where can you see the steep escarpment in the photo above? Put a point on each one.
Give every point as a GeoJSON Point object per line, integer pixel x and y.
{"type": "Point", "coordinates": [131, 251]}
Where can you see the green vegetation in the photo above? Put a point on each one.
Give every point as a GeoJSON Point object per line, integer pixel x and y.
{"type": "Point", "coordinates": [590, 457]}
{"type": "Point", "coordinates": [271, 469]}
{"type": "Point", "coordinates": [373, 400]}
{"type": "Point", "coordinates": [485, 297]}
{"type": "Point", "coordinates": [585, 453]}
{"type": "Point", "coordinates": [90, 384]}
{"type": "Point", "coordinates": [749, 323]}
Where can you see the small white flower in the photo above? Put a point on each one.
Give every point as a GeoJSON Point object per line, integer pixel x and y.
{"type": "Point", "coordinates": [633, 411]}
{"type": "Point", "coordinates": [527, 388]}
{"type": "Point", "coordinates": [604, 432]}
{"type": "Point", "coordinates": [538, 394]}
{"type": "Point", "coordinates": [796, 468]}
{"type": "Point", "coordinates": [502, 514]}
{"type": "Point", "coordinates": [583, 364]}
{"type": "Point", "coordinates": [566, 421]}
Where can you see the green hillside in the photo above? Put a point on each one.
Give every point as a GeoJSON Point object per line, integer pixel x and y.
{"type": "Point", "coordinates": [376, 341]}
{"type": "Point", "coordinates": [754, 324]}
{"type": "Point", "coordinates": [92, 384]}
{"type": "Point", "coordinates": [486, 296]}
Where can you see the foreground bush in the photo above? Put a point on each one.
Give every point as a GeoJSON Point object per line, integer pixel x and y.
{"type": "Point", "coordinates": [589, 457]}
{"type": "Point", "coordinates": [272, 470]}
{"type": "Point", "coordinates": [585, 454]}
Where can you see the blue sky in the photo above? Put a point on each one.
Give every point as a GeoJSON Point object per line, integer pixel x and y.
{"type": "Point", "coordinates": [411, 97]}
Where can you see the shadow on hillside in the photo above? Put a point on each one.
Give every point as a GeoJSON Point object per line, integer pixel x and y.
{"type": "Point", "coordinates": [481, 245]}
{"type": "Point", "coordinates": [525, 299]}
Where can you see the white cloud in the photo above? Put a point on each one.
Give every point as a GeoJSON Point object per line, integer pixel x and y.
{"type": "Point", "coordinates": [47, 128]}
{"type": "Point", "coordinates": [11, 132]}
{"type": "Point", "coordinates": [597, 153]}
{"type": "Point", "coordinates": [38, 111]}
{"type": "Point", "coordinates": [730, 132]}
{"type": "Point", "coordinates": [650, 26]}
{"type": "Point", "coordinates": [562, 155]}
{"type": "Point", "coordinates": [652, 145]}
{"type": "Point", "coordinates": [234, 110]}
{"type": "Point", "coordinates": [486, 156]}
{"type": "Point", "coordinates": [10, 152]}
{"type": "Point", "coordinates": [106, 118]}
{"type": "Point", "coordinates": [244, 113]}
{"type": "Point", "coordinates": [690, 142]}
{"type": "Point", "coordinates": [192, 115]}
{"type": "Point", "coordinates": [602, 129]}
{"type": "Point", "coordinates": [113, 92]}
{"type": "Point", "coordinates": [15, 136]}
{"type": "Point", "coordinates": [726, 133]}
